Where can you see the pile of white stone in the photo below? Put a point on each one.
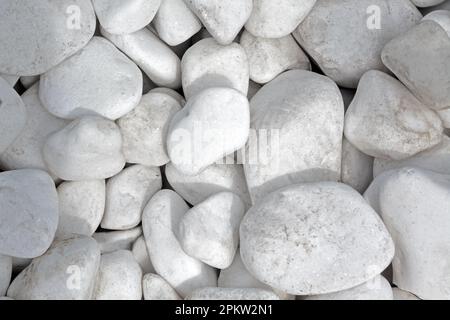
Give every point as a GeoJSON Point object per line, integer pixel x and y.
{"type": "Point", "coordinates": [185, 149]}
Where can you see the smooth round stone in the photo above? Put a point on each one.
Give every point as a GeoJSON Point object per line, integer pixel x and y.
{"type": "Point", "coordinates": [212, 125]}
{"type": "Point", "coordinates": [435, 159]}
{"type": "Point", "coordinates": [5, 273]}
{"type": "Point", "coordinates": [420, 58]}
{"type": "Point", "coordinates": [314, 238]}
{"type": "Point", "coordinates": [297, 122]}
{"type": "Point", "coordinates": [276, 19]}
{"type": "Point", "coordinates": [111, 241]}
{"type": "Point", "coordinates": [99, 80]}
{"type": "Point", "coordinates": [232, 294]}
{"type": "Point", "coordinates": [403, 295]}
{"type": "Point", "coordinates": [222, 18]}
{"type": "Point", "coordinates": [140, 253]}
{"type": "Point", "coordinates": [29, 212]}
{"type": "Point", "coordinates": [152, 55]}
{"type": "Point", "coordinates": [26, 150]}
{"type": "Point", "coordinates": [144, 129]}
{"type": "Point", "coordinates": [156, 288]}
{"type": "Point", "coordinates": [413, 203]}
{"type": "Point", "coordinates": [270, 57]}
{"type": "Point", "coordinates": [67, 271]}
{"type": "Point", "coordinates": [210, 230]}
{"type": "Point", "coordinates": [386, 121]}
{"type": "Point", "coordinates": [29, 81]}
{"type": "Point", "coordinates": [119, 277]}
{"type": "Point", "coordinates": [357, 167]}
{"type": "Point", "coordinates": [46, 32]}
{"type": "Point", "coordinates": [208, 64]}
{"type": "Point", "coordinates": [344, 39]}
{"type": "Point", "coordinates": [427, 3]}
{"type": "Point", "coordinates": [81, 207]}
{"type": "Point", "coordinates": [127, 194]}
{"type": "Point", "coordinates": [119, 16]}
{"type": "Point", "coordinates": [175, 22]}
{"type": "Point", "coordinates": [13, 113]}
{"type": "Point", "coordinates": [160, 220]}
{"type": "Point", "coordinates": [214, 179]}
{"type": "Point", "coordinates": [375, 289]}
{"type": "Point", "coordinates": [88, 148]}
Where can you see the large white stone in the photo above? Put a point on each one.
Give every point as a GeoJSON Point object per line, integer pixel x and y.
{"type": "Point", "coordinates": [212, 124]}
{"type": "Point", "coordinates": [210, 230]}
{"type": "Point", "coordinates": [413, 203]}
{"type": "Point", "coordinates": [151, 54]}
{"type": "Point", "coordinates": [67, 271]}
{"type": "Point", "coordinates": [29, 212]}
{"type": "Point", "coordinates": [38, 35]}
{"type": "Point", "coordinates": [222, 18]}
{"type": "Point", "coordinates": [175, 22]}
{"type": "Point", "coordinates": [346, 37]}
{"type": "Point", "coordinates": [14, 115]}
{"type": "Point", "coordinates": [276, 19]}
{"type": "Point", "coordinates": [297, 122]}
{"type": "Point", "coordinates": [161, 217]}
{"type": "Point", "coordinates": [386, 121]}
{"type": "Point", "coordinates": [215, 178]}
{"type": "Point", "coordinates": [144, 129]}
{"type": "Point", "coordinates": [81, 207]}
{"type": "Point", "coordinates": [119, 277]}
{"type": "Point", "coordinates": [5, 273]}
{"type": "Point", "coordinates": [88, 148]}
{"type": "Point", "coordinates": [99, 80]}
{"type": "Point", "coordinates": [314, 238]}
{"type": "Point", "coordinates": [127, 193]}
{"type": "Point", "coordinates": [208, 64]}
{"type": "Point", "coordinates": [232, 294]}
{"type": "Point", "coordinates": [156, 288]}
{"type": "Point", "coordinates": [125, 16]}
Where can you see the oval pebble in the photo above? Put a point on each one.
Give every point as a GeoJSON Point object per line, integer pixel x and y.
{"type": "Point", "coordinates": [29, 212]}
{"type": "Point", "coordinates": [232, 294]}
{"type": "Point", "coordinates": [127, 193]}
{"type": "Point", "coordinates": [67, 271]}
{"type": "Point", "coordinates": [119, 277]}
{"type": "Point", "coordinates": [203, 67]}
{"type": "Point", "coordinates": [81, 207]}
{"type": "Point", "coordinates": [99, 80]}
{"type": "Point", "coordinates": [212, 124]}
{"type": "Point", "coordinates": [314, 238]}
{"type": "Point", "coordinates": [161, 217]}
{"type": "Point", "coordinates": [156, 288]}
{"type": "Point", "coordinates": [46, 32]}
{"type": "Point", "coordinates": [119, 16]}
{"type": "Point", "coordinates": [88, 148]}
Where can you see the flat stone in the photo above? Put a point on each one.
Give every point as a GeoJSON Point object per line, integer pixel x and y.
{"type": "Point", "coordinates": [346, 38]}
{"type": "Point", "coordinates": [127, 193]}
{"type": "Point", "coordinates": [386, 121]}
{"type": "Point", "coordinates": [89, 148]}
{"type": "Point", "coordinates": [156, 288]}
{"type": "Point", "coordinates": [144, 129]}
{"type": "Point", "coordinates": [298, 118]}
{"type": "Point", "coordinates": [270, 57]}
{"type": "Point", "coordinates": [161, 217]}
{"type": "Point", "coordinates": [152, 55]}
{"type": "Point", "coordinates": [81, 207]}
{"type": "Point", "coordinates": [222, 18]}
{"type": "Point", "coordinates": [212, 124]}
{"type": "Point", "coordinates": [67, 271]}
{"type": "Point", "coordinates": [13, 113]}
{"type": "Point", "coordinates": [38, 44]}
{"type": "Point", "coordinates": [232, 294]}
{"type": "Point", "coordinates": [314, 238]}
{"type": "Point", "coordinates": [29, 212]}
{"type": "Point", "coordinates": [119, 277]}
{"type": "Point", "coordinates": [210, 230]}
{"type": "Point", "coordinates": [119, 17]}
{"type": "Point", "coordinates": [208, 64]}
{"type": "Point", "coordinates": [276, 19]}
{"type": "Point", "coordinates": [99, 80]}
{"type": "Point", "coordinates": [110, 241]}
